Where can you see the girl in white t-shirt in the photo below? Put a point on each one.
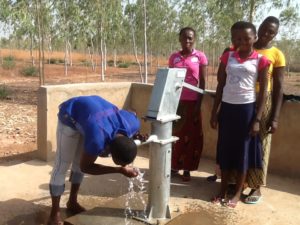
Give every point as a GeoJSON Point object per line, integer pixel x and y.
{"type": "Point", "coordinates": [236, 110]}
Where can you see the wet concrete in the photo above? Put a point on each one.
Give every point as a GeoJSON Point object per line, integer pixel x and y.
{"type": "Point", "coordinates": [110, 214]}
{"type": "Point", "coordinates": [101, 216]}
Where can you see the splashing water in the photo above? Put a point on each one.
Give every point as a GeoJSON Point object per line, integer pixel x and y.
{"type": "Point", "coordinates": [135, 198]}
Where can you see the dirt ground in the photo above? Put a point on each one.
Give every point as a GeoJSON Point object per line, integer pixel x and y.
{"type": "Point", "coordinates": [18, 111]}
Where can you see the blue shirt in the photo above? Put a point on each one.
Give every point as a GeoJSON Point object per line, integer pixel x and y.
{"type": "Point", "coordinates": [97, 120]}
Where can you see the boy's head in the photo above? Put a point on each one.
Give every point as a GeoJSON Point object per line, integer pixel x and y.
{"type": "Point", "coordinates": [187, 37]}
{"type": "Point", "coordinates": [123, 150]}
{"type": "Point", "coordinates": [243, 35]}
{"type": "Point", "coordinates": [268, 29]}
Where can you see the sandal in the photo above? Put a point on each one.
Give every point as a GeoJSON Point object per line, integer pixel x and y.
{"type": "Point", "coordinates": [231, 204]}
{"type": "Point", "coordinates": [217, 200]}
{"type": "Point", "coordinates": [253, 199]}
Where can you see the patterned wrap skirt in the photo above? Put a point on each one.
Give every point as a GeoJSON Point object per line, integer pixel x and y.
{"type": "Point", "coordinates": [257, 177]}
{"type": "Point", "coordinates": [236, 148]}
{"type": "Point", "coordinates": [186, 152]}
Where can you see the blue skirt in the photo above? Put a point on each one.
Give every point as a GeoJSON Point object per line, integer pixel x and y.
{"type": "Point", "coordinates": [236, 148]}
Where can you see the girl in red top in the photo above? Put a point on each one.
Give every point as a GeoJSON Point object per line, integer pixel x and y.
{"type": "Point", "coordinates": [187, 151]}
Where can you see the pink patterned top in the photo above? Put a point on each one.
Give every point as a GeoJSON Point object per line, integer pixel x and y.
{"type": "Point", "coordinates": [192, 63]}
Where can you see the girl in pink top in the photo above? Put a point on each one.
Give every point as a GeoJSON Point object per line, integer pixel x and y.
{"type": "Point", "coordinates": [187, 151]}
{"type": "Point", "coordinates": [236, 110]}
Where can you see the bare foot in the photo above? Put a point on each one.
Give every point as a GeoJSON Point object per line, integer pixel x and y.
{"type": "Point", "coordinates": [218, 199]}
{"type": "Point", "coordinates": [55, 220]}
{"type": "Point", "coordinates": [232, 203]}
{"type": "Point", "coordinates": [75, 208]}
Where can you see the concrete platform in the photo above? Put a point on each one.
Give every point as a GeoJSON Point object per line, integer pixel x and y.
{"type": "Point", "coordinates": [24, 197]}
{"type": "Point", "coordinates": [101, 216]}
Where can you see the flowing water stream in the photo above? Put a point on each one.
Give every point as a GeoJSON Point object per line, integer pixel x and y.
{"type": "Point", "coordinates": [135, 205]}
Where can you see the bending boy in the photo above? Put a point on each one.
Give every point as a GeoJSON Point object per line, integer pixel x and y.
{"type": "Point", "coordinates": [88, 127]}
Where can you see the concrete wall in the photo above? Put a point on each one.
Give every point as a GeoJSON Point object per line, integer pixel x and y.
{"type": "Point", "coordinates": [285, 154]}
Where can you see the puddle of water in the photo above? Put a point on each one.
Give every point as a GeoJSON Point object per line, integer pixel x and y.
{"type": "Point", "coordinates": [135, 198]}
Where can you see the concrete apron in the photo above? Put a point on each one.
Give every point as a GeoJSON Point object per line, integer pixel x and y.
{"type": "Point", "coordinates": [113, 214]}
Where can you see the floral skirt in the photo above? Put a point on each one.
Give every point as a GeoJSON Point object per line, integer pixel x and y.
{"type": "Point", "coordinates": [186, 152]}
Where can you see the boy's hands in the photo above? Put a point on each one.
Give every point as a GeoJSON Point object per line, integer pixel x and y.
{"type": "Point", "coordinates": [128, 171]}
{"type": "Point", "coordinates": [141, 137]}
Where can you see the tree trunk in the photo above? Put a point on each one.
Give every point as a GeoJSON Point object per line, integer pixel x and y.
{"type": "Point", "coordinates": [135, 48]}
{"type": "Point", "coordinates": [70, 54]}
{"type": "Point", "coordinates": [49, 49]}
{"type": "Point", "coordinates": [136, 56]}
{"type": "Point", "coordinates": [91, 53]}
{"type": "Point", "coordinates": [105, 54]}
{"type": "Point", "coordinates": [101, 52]}
{"type": "Point", "coordinates": [115, 57]}
{"type": "Point", "coordinates": [115, 54]}
{"type": "Point", "coordinates": [31, 50]}
{"type": "Point", "coordinates": [252, 11]}
{"type": "Point", "coordinates": [145, 44]}
{"type": "Point", "coordinates": [66, 58]}
{"type": "Point", "coordinates": [38, 18]}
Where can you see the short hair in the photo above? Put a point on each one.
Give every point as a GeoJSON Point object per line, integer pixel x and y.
{"type": "Point", "coordinates": [123, 149]}
{"type": "Point", "coordinates": [240, 25]}
{"type": "Point", "coordinates": [272, 19]}
{"type": "Point", "coordinates": [187, 29]}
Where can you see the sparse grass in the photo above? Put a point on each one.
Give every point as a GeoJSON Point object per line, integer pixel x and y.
{"type": "Point", "coordinates": [61, 61]}
{"type": "Point", "coordinates": [123, 65]}
{"type": "Point", "coordinates": [4, 92]}
{"type": "Point", "coordinates": [86, 63]}
{"type": "Point", "coordinates": [30, 71]}
{"type": "Point", "coordinates": [53, 61]}
{"type": "Point", "coordinates": [8, 62]}
{"type": "Point", "coordinates": [110, 62]}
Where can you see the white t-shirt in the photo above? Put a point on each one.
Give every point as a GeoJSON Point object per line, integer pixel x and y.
{"type": "Point", "coordinates": [240, 81]}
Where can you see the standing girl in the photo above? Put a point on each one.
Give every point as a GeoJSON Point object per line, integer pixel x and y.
{"type": "Point", "coordinates": [187, 151]}
{"type": "Point", "coordinates": [237, 111]}
{"type": "Point", "coordinates": [266, 33]}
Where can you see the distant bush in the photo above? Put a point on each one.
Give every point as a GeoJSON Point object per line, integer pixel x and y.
{"type": "Point", "coordinates": [86, 63]}
{"type": "Point", "coordinates": [134, 63]}
{"type": "Point", "coordinates": [30, 71]}
{"type": "Point", "coordinates": [61, 61]}
{"type": "Point", "coordinates": [123, 65]}
{"type": "Point", "coordinates": [4, 92]}
{"type": "Point", "coordinates": [53, 61]}
{"type": "Point", "coordinates": [8, 62]}
{"type": "Point", "coordinates": [110, 62]}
